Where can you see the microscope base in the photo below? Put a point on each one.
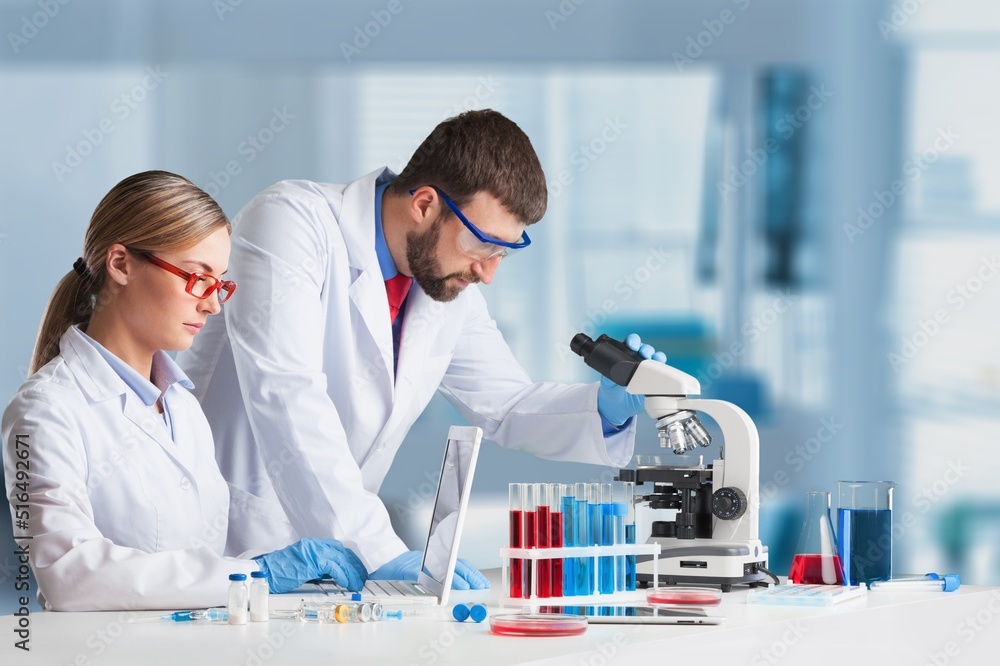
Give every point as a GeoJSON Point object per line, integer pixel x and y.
{"type": "Point", "coordinates": [705, 561]}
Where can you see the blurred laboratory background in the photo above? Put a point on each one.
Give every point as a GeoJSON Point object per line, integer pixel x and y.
{"type": "Point", "coordinates": [796, 201]}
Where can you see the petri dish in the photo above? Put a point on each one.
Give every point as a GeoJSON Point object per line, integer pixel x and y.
{"type": "Point", "coordinates": [526, 624]}
{"type": "Point", "coordinates": [683, 596]}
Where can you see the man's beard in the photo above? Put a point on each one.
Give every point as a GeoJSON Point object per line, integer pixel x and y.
{"type": "Point", "coordinates": [421, 251]}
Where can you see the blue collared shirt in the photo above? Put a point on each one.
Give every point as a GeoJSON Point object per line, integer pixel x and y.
{"type": "Point", "coordinates": [164, 370]}
{"type": "Point", "coordinates": [385, 262]}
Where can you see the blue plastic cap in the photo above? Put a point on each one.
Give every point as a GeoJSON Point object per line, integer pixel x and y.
{"type": "Point", "coordinates": [355, 596]}
{"type": "Point", "coordinates": [951, 582]}
{"type": "Point", "coordinates": [237, 576]}
{"type": "Point", "coordinates": [478, 612]}
{"type": "Point", "coordinates": [460, 612]}
{"type": "Point", "coordinates": [258, 574]}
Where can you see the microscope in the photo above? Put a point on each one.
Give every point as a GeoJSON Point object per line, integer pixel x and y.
{"type": "Point", "coordinates": [710, 535]}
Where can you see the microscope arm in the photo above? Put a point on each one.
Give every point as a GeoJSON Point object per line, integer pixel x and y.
{"type": "Point", "coordinates": [741, 458]}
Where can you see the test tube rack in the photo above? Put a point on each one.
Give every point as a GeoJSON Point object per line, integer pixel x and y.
{"type": "Point", "coordinates": [593, 552]}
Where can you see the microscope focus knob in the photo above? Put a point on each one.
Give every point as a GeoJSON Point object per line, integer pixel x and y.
{"type": "Point", "coordinates": [729, 503]}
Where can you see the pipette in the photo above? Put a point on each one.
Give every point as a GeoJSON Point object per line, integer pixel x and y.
{"type": "Point", "coordinates": [931, 582]}
{"type": "Point", "coordinates": [206, 615]}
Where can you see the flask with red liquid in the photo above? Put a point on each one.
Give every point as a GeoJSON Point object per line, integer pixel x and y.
{"type": "Point", "coordinates": [816, 561]}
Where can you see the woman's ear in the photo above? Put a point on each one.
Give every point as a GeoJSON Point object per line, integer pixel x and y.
{"type": "Point", "coordinates": [118, 264]}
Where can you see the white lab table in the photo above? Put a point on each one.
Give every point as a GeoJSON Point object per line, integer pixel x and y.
{"type": "Point", "coordinates": [918, 628]}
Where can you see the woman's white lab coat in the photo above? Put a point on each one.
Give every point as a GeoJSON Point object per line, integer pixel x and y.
{"type": "Point", "coordinates": [297, 380]}
{"type": "Point", "coordinates": [122, 517]}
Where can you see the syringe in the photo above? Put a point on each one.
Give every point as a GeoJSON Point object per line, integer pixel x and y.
{"type": "Point", "coordinates": [206, 615]}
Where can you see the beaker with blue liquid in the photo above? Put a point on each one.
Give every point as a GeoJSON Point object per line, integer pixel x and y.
{"type": "Point", "coordinates": [864, 530]}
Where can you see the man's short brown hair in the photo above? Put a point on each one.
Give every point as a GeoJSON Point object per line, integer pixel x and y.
{"type": "Point", "coordinates": [479, 151]}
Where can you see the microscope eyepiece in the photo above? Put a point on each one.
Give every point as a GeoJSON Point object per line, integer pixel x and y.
{"type": "Point", "coordinates": [612, 358]}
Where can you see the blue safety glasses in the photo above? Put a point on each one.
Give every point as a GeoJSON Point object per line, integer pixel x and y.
{"type": "Point", "coordinates": [476, 243]}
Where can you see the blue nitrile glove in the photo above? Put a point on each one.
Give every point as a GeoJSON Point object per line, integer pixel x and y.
{"type": "Point", "coordinates": [407, 566]}
{"type": "Point", "coordinates": [616, 404]}
{"type": "Point", "coordinates": [309, 559]}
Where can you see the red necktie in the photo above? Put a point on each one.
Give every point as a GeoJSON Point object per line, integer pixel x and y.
{"type": "Point", "coordinates": [396, 289]}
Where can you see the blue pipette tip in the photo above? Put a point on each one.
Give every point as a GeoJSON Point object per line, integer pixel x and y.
{"type": "Point", "coordinates": [461, 612]}
{"type": "Point", "coordinates": [392, 614]}
{"type": "Point", "coordinates": [477, 612]}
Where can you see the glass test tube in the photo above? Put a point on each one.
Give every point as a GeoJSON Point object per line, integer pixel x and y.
{"type": "Point", "coordinates": [516, 539]}
{"type": "Point", "coordinates": [628, 491]}
{"type": "Point", "coordinates": [618, 533]}
{"type": "Point", "coordinates": [528, 539]}
{"type": "Point", "coordinates": [555, 538]}
{"type": "Point", "coordinates": [543, 532]}
{"type": "Point", "coordinates": [594, 538]}
{"type": "Point", "coordinates": [583, 567]}
{"type": "Point", "coordinates": [568, 499]}
{"type": "Point", "coordinates": [606, 536]}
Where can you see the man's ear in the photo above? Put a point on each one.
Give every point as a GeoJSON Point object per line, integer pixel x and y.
{"type": "Point", "coordinates": [425, 206]}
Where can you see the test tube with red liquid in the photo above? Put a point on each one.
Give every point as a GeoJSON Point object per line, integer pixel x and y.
{"type": "Point", "coordinates": [528, 539]}
{"type": "Point", "coordinates": [556, 537]}
{"type": "Point", "coordinates": [543, 528]}
{"type": "Point", "coordinates": [516, 539]}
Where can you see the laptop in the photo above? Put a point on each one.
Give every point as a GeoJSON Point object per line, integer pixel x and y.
{"type": "Point", "coordinates": [437, 568]}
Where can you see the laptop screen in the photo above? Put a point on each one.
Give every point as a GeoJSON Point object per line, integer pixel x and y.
{"type": "Point", "coordinates": [454, 486]}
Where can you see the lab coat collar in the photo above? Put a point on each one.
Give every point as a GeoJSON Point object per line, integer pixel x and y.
{"type": "Point", "coordinates": [97, 378]}
{"type": "Point", "coordinates": [100, 382]}
{"type": "Point", "coordinates": [359, 212]}
{"type": "Point", "coordinates": [367, 291]}
{"type": "Point", "coordinates": [165, 371]}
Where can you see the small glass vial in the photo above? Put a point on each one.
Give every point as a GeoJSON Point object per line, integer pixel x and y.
{"type": "Point", "coordinates": [237, 599]}
{"type": "Point", "coordinates": [259, 591]}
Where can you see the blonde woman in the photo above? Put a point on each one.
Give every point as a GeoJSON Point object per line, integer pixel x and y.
{"type": "Point", "coordinates": [108, 459]}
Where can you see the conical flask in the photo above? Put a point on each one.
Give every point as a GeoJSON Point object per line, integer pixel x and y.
{"type": "Point", "coordinates": [816, 561]}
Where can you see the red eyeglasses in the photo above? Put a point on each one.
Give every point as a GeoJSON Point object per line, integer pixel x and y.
{"type": "Point", "coordinates": [199, 285]}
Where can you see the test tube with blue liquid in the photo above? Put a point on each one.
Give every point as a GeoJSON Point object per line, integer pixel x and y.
{"type": "Point", "coordinates": [568, 499]}
{"type": "Point", "coordinates": [628, 490]}
{"type": "Point", "coordinates": [584, 566]}
{"type": "Point", "coordinates": [606, 537]}
{"type": "Point", "coordinates": [618, 513]}
{"type": "Point", "coordinates": [556, 538]}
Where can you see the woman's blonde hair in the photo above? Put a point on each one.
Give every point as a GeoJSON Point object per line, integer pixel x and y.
{"type": "Point", "coordinates": [151, 211]}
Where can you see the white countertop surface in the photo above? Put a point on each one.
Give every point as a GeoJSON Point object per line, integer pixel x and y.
{"type": "Point", "coordinates": [917, 628]}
